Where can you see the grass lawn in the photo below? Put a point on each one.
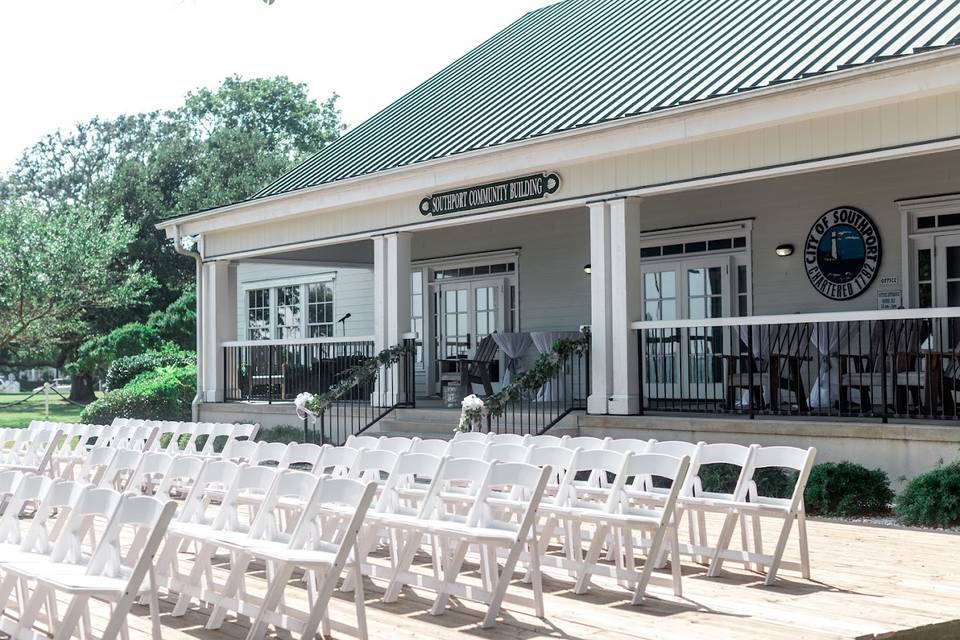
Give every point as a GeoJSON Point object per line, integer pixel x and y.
{"type": "Point", "coordinates": [21, 414]}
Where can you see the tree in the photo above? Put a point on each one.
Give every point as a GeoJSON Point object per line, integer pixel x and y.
{"type": "Point", "coordinates": [56, 271]}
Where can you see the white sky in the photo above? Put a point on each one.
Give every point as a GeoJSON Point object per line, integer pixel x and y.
{"type": "Point", "coordinates": [65, 61]}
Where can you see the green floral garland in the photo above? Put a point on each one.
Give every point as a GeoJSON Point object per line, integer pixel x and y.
{"type": "Point", "coordinates": [547, 366]}
{"type": "Point", "coordinates": [364, 372]}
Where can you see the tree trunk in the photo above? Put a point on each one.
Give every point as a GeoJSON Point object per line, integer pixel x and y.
{"type": "Point", "coordinates": [81, 388]}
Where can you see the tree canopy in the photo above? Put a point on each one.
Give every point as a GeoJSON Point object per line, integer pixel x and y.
{"type": "Point", "coordinates": [105, 183]}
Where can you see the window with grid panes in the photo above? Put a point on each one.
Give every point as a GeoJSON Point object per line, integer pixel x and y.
{"type": "Point", "coordinates": [319, 310]}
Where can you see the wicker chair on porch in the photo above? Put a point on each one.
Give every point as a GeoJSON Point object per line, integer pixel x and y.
{"type": "Point", "coordinates": [779, 369]}
{"type": "Point", "coordinates": [479, 369]}
{"type": "Point", "coordinates": [898, 346]}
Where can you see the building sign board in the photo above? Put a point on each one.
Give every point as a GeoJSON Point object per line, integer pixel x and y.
{"type": "Point", "coordinates": [842, 253]}
{"type": "Point", "coordinates": [521, 189]}
{"type": "Point", "coordinates": [889, 300]}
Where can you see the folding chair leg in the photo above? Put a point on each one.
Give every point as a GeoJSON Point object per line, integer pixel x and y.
{"type": "Point", "coordinates": [70, 619]}
{"type": "Point", "coordinates": [407, 554]}
{"type": "Point", "coordinates": [675, 568]}
{"type": "Point", "coordinates": [757, 540]}
{"type": "Point", "coordinates": [744, 541]}
{"type": "Point", "coordinates": [536, 578]}
{"type": "Point", "coordinates": [501, 583]}
{"type": "Point", "coordinates": [201, 562]}
{"type": "Point", "coordinates": [258, 627]}
{"type": "Point", "coordinates": [723, 543]}
{"type": "Point", "coordinates": [593, 554]}
{"type": "Point", "coordinates": [778, 552]}
{"type": "Point", "coordinates": [31, 609]}
{"type": "Point", "coordinates": [234, 580]}
{"type": "Point", "coordinates": [702, 534]}
{"type": "Point", "coordinates": [450, 572]}
{"type": "Point", "coordinates": [359, 603]}
{"type": "Point", "coordinates": [804, 550]}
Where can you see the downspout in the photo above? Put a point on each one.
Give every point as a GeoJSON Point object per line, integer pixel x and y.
{"type": "Point", "coordinates": [178, 247]}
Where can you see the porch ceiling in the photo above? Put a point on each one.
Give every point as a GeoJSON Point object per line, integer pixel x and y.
{"type": "Point", "coordinates": [357, 253]}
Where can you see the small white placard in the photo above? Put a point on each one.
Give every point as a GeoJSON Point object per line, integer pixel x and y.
{"type": "Point", "coordinates": [889, 299]}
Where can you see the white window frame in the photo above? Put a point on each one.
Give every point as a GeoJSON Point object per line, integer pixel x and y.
{"type": "Point", "coordinates": [272, 285]}
{"type": "Point", "coordinates": [912, 239]}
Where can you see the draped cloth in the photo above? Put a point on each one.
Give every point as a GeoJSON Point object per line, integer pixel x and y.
{"type": "Point", "coordinates": [513, 346]}
{"type": "Point", "coordinates": [543, 341]}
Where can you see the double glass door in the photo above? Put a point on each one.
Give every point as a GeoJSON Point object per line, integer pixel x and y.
{"type": "Point", "coordinates": [467, 313]}
{"type": "Point", "coordinates": [680, 360]}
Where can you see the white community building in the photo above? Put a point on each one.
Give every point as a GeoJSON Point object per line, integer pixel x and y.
{"type": "Point", "coordinates": [754, 207]}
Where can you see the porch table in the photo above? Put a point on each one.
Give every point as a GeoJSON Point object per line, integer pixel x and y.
{"type": "Point", "coordinates": [543, 341]}
{"type": "Point", "coordinates": [513, 346]}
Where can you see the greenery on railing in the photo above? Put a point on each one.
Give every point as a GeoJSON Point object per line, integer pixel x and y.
{"type": "Point", "coordinates": [359, 374]}
{"type": "Point", "coordinates": [544, 369]}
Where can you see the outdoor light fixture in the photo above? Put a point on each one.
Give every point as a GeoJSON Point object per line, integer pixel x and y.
{"type": "Point", "coordinates": [586, 269]}
{"type": "Point", "coordinates": [785, 250]}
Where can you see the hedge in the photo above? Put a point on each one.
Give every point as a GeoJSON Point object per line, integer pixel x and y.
{"type": "Point", "coordinates": [845, 489]}
{"type": "Point", "coordinates": [162, 394]}
{"type": "Point", "coordinates": [931, 499]}
{"type": "Point", "coordinates": [125, 369]}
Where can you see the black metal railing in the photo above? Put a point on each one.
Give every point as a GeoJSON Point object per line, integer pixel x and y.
{"type": "Point", "coordinates": [279, 370]}
{"type": "Point", "coordinates": [361, 403]}
{"type": "Point", "coordinates": [538, 410]}
{"type": "Point", "coordinates": [878, 364]}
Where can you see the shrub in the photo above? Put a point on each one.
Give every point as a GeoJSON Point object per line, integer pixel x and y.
{"type": "Point", "coordinates": [130, 339]}
{"type": "Point", "coordinates": [931, 499]}
{"type": "Point", "coordinates": [846, 490]}
{"type": "Point", "coordinates": [162, 394]}
{"type": "Point", "coordinates": [281, 433]}
{"type": "Point", "coordinates": [178, 322]}
{"type": "Point", "coordinates": [771, 481]}
{"type": "Point", "coordinates": [125, 369]}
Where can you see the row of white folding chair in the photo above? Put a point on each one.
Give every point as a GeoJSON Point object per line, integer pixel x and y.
{"type": "Point", "coordinates": [63, 554]}
{"type": "Point", "coordinates": [202, 438]}
{"type": "Point", "coordinates": [33, 453]}
{"type": "Point", "coordinates": [319, 546]}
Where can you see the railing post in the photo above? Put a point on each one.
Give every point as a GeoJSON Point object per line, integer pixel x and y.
{"type": "Point", "coordinates": [320, 424]}
{"type": "Point", "coordinates": [883, 370]}
{"type": "Point", "coordinates": [750, 367]}
{"type": "Point", "coordinates": [226, 380]}
{"type": "Point", "coordinates": [640, 370]}
{"type": "Point", "coordinates": [270, 374]}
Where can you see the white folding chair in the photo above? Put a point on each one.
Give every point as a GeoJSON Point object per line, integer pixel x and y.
{"type": "Point", "coordinates": [9, 480]}
{"type": "Point", "coordinates": [507, 438]}
{"type": "Point", "coordinates": [304, 457]}
{"type": "Point", "coordinates": [180, 477]}
{"type": "Point", "coordinates": [269, 453]}
{"type": "Point", "coordinates": [466, 449]}
{"type": "Point", "coordinates": [240, 450]}
{"type": "Point", "coordinates": [337, 461]}
{"type": "Point", "coordinates": [34, 455]}
{"type": "Point", "coordinates": [121, 467]}
{"type": "Point", "coordinates": [94, 465]}
{"type": "Point", "coordinates": [148, 473]}
{"type": "Point", "coordinates": [220, 436]}
{"type": "Point", "coordinates": [19, 492]}
{"type": "Point", "coordinates": [630, 445]}
{"type": "Point", "coordinates": [544, 440]}
{"type": "Point", "coordinates": [504, 452]}
{"type": "Point", "coordinates": [51, 498]}
{"type": "Point", "coordinates": [373, 465]}
{"type": "Point", "coordinates": [471, 436]}
{"type": "Point", "coordinates": [587, 443]}
{"type": "Point", "coordinates": [108, 576]}
{"type": "Point", "coordinates": [759, 506]}
{"type": "Point", "coordinates": [362, 442]}
{"type": "Point", "coordinates": [324, 548]}
{"type": "Point", "coordinates": [397, 444]}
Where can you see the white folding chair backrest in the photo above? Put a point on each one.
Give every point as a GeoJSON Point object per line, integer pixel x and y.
{"type": "Point", "coordinates": [249, 480]}
{"type": "Point", "coordinates": [120, 422]}
{"type": "Point", "coordinates": [728, 454]}
{"type": "Point", "coordinates": [215, 474]}
{"type": "Point", "coordinates": [123, 464]}
{"type": "Point", "coordinates": [60, 499]}
{"type": "Point", "coordinates": [241, 450]}
{"type": "Point", "coordinates": [629, 445]}
{"type": "Point", "coordinates": [95, 505]}
{"type": "Point", "coordinates": [23, 490]}
{"type": "Point", "coordinates": [91, 436]}
{"type": "Point", "coordinates": [396, 444]}
{"type": "Point", "coordinates": [220, 436]}
{"type": "Point", "coordinates": [361, 442]}
{"type": "Point", "coordinates": [199, 437]}
{"type": "Point", "coordinates": [245, 431]}
{"type": "Point", "coordinates": [269, 454]}
{"type": "Point", "coordinates": [289, 488]}
{"type": "Point", "coordinates": [523, 483]}
{"type": "Point", "coordinates": [544, 441]}
{"type": "Point", "coordinates": [143, 437]}
{"type": "Point", "coordinates": [460, 479]}
{"type": "Point", "coordinates": [95, 463]}
{"type": "Point", "coordinates": [793, 458]}
{"type": "Point", "coordinates": [373, 465]}
{"type": "Point", "coordinates": [180, 438]}
{"type": "Point", "coordinates": [337, 461]}
{"type": "Point", "coordinates": [152, 463]}
{"type": "Point", "coordinates": [433, 447]}
{"type": "Point", "coordinates": [412, 476]}
{"type": "Point", "coordinates": [334, 535]}
{"type": "Point", "coordinates": [470, 436]}
{"type": "Point", "coordinates": [506, 452]}
{"type": "Point", "coordinates": [649, 466]}
{"type": "Point", "coordinates": [180, 476]}
{"type": "Point", "coordinates": [144, 515]}
{"type": "Point", "coordinates": [599, 464]}
{"type": "Point", "coordinates": [304, 456]}
{"type": "Point", "coordinates": [466, 449]}
{"type": "Point", "coordinates": [119, 436]}
{"type": "Point", "coordinates": [560, 460]}
{"type": "Point", "coordinates": [507, 438]}
{"type": "Point", "coordinates": [587, 443]}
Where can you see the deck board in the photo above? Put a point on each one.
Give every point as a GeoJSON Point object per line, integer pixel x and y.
{"type": "Point", "coordinates": [867, 582]}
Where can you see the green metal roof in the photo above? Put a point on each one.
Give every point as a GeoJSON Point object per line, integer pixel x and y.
{"type": "Point", "coordinates": [582, 62]}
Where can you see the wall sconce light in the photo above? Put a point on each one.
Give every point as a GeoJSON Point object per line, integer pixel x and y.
{"type": "Point", "coordinates": [785, 250]}
{"type": "Point", "coordinates": [586, 269]}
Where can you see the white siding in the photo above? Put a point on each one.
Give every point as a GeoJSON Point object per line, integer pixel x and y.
{"type": "Point", "coordinates": [352, 292]}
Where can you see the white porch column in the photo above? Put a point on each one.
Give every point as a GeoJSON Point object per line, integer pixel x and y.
{"type": "Point", "coordinates": [391, 288]}
{"type": "Point", "coordinates": [627, 306]}
{"type": "Point", "coordinates": [391, 304]}
{"type": "Point", "coordinates": [601, 303]}
{"type": "Point", "coordinates": [219, 317]}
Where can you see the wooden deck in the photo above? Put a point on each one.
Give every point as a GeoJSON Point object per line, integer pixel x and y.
{"type": "Point", "coordinates": [869, 582]}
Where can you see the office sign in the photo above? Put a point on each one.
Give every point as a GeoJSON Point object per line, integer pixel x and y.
{"type": "Point", "coordinates": [493, 194]}
{"type": "Point", "coordinates": [842, 253]}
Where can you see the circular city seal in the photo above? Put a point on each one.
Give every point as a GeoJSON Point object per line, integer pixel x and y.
{"type": "Point", "coordinates": [842, 253]}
